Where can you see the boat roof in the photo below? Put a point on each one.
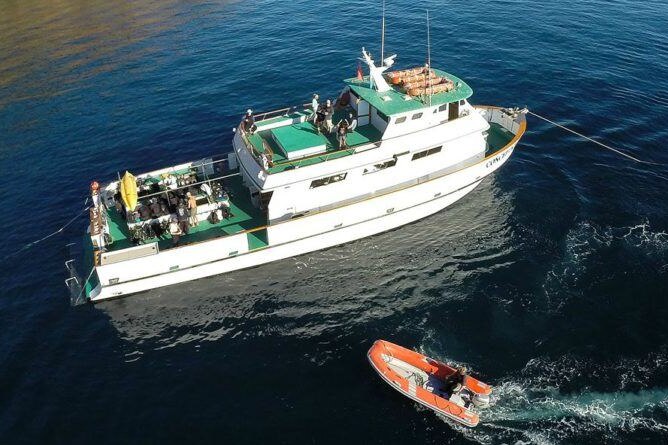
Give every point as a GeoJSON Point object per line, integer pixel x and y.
{"type": "Point", "coordinates": [396, 101]}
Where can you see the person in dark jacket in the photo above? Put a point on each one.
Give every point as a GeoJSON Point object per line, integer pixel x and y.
{"type": "Point", "coordinates": [182, 215]}
{"type": "Point", "coordinates": [155, 208]}
{"type": "Point", "coordinates": [455, 382]}
{"type": "Point", "coordinates": [248, 122]}
{"type": "Point", "coordinates": [144, 212]}
{"type": "Point", "coordinates": [320, 115]}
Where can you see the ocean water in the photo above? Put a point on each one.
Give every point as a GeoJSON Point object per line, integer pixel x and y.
{"type": "Point", "coordinates": [549, 280]}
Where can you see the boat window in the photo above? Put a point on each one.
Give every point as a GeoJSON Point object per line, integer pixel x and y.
{"type": "Point", "coordinates": [328, 180]}
{"type": "Point", "coordinates": [381, 166]}
{"type": "Point", "coordinates": [443, 107]}
{"type": "Point", "coordinates": [461, 102]}
{"type": "Point", "coordinates": [382, 116]}
{"type": "Point", "coordinates": [417, 116]}
{"type": "Point", "coordinates": [400, 120]}
{"type": "Point", "coordinates": [423, 153]}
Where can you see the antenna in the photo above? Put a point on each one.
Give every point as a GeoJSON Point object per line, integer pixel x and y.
{"type": "Point", "coordinates": [429, 59]}
{"type": "Point", "coordinates": [382, 38]}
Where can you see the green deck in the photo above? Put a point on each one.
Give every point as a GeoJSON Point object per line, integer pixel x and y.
{"type": "Point", "coordinates": [397, 102]}
{"type": "Point", "coordinates": [263, 139]}
{"type": "Point", "coordinates": [246, 217]}
{"type": "Point", "coordinates": [297, 137]}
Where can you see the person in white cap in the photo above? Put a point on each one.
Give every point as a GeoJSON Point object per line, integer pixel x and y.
{"type": "Point", "coordinates": [314, 106]}
{"type": "Point", "coordinates": [329, 113]}
{"type": "Point", "coordinates": [175, 231]}
{"type": "Point", "coordinates": [248, 123]}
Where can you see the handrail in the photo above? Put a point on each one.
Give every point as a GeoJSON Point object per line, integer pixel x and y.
{"type": "Point", "coordinates": [278, 112]}
{"type": "Point", "coordinates": [209, 180]}
{"type": "Point", "coordinates": [251, 148]}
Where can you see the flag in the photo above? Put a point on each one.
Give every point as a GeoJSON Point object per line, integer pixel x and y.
{"type": "Point", "coordinates": [360, 75]}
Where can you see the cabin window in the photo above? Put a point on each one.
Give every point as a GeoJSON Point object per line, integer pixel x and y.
{"type": "Point", "coordinates": [400, 120]}
{"type": "Point", "coordinates": [382, 116]}
{"type": "Point", "coordinates": [416, 116]}
{"type": "Point", "coordinates": [443, 107]}
{"type": "Point", "coordinates": [423, 153]}
{"type": "Point", "coordinates": [381, 166]}
{"type": "Point", "coordinates": [461, 102]}
{"type": "Point", "coordinates": [328, 180]}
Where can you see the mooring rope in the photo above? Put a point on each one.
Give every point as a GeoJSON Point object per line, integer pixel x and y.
{"type": "Point", "coordinates": [33, 243]}
{"type": "Point", "coordinates": [83, 286]}
{"type": "Point", "coordinates": [607, 147]}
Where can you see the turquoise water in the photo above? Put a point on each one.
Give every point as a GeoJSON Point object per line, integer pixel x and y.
{"type": "Point", "coordinates": [549, 280]}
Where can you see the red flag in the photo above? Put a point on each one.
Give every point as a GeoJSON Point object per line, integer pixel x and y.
{"type": "Point", "coordinates": [360, 75]}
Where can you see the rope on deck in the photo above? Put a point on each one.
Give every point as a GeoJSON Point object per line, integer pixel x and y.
{"type": "Point", "coordinates": [607, 147]}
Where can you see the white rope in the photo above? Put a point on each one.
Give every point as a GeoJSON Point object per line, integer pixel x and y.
{"type": "Point", "coordinates": [607, 147]}
{"type": "Point", "coordinates": [83, 286]}
{"type": "Point", "coordinates": [33, 243]}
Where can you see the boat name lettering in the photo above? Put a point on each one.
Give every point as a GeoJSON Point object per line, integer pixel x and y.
{"type": "Point", "coordinates": [496, 159]}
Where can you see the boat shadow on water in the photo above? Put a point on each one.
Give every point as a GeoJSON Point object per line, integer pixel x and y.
{"type": "Point", "coordinates": [331, 291]}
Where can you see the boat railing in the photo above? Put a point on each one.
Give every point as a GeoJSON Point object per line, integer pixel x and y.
{"type": "Point", "coordinates": [258, 155]}
{"type": "Point", "coordinates": [259, 117]}
{"type": "Point", "coordinates": [255, 153]}
{"type": "Point", "coordinates": [271, 114]}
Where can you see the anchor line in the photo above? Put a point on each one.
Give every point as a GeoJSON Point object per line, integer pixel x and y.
{"type": "Point", "coordinates": [83, 286]}
{"type": "Point", "coordinates": [607, 147]}
{"type": "Point", "coordinates": [33, 243]}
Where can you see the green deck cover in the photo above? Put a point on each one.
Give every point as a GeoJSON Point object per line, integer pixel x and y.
{"type": "Point", "coordinates": [264, 138]}
{"type": "Point", "coordinates": [398, 104]}
{"type": "Point", "coordinates": [297, 137]}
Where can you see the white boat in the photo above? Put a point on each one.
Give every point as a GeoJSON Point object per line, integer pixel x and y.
{"type": "Point", "coordinates": [287, 190]}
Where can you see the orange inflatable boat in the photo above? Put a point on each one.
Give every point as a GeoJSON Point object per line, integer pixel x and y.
{"type": "Point", "coordinates": [429, 382]}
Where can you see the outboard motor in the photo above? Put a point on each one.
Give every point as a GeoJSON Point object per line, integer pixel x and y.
{"type": "Point", "coordinates": [480, 400]}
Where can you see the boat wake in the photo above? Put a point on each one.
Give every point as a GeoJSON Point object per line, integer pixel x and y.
{"type": "Point", "coordinates": [537, 407]}
{"type": "Point", "coordinates": [588, 247]}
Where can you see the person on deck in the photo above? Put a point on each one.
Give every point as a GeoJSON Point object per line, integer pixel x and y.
{"type": "Point", "coordinates": [192, 208]}
{"type": "Point", "coordinates": [314, 107]}
{"type": "Point", "coordinates": [175, 231]}
{"type": "Point", "coordinates": [182, 216]}
{"type": "Point", "coordinates": [248, 123]}
{"type": "Point", "coordinates": [353, 123]}
{"type": "Point", "coordinates": [156, 212]}
{"type": "Point", "coordinates": [342, 132]}
{"type": "Point", "coordinates": [329, 114]}
{"type": "Point", "coordinates": [320, 118]}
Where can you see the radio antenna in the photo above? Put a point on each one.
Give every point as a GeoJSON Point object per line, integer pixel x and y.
{"type": "Point", "coordinates": [429, 59]}
{"type": "Point", "coordinates": [382, 38]}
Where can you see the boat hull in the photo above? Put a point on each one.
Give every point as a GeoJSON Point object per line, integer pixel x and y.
{"type": "Point", "coordinates": [286, 250]}
{"type": "Point", "coordinates": [404, 370]}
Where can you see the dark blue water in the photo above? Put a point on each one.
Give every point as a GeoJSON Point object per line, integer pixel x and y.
{"type": "Point", "coordinates": [549, 280]}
